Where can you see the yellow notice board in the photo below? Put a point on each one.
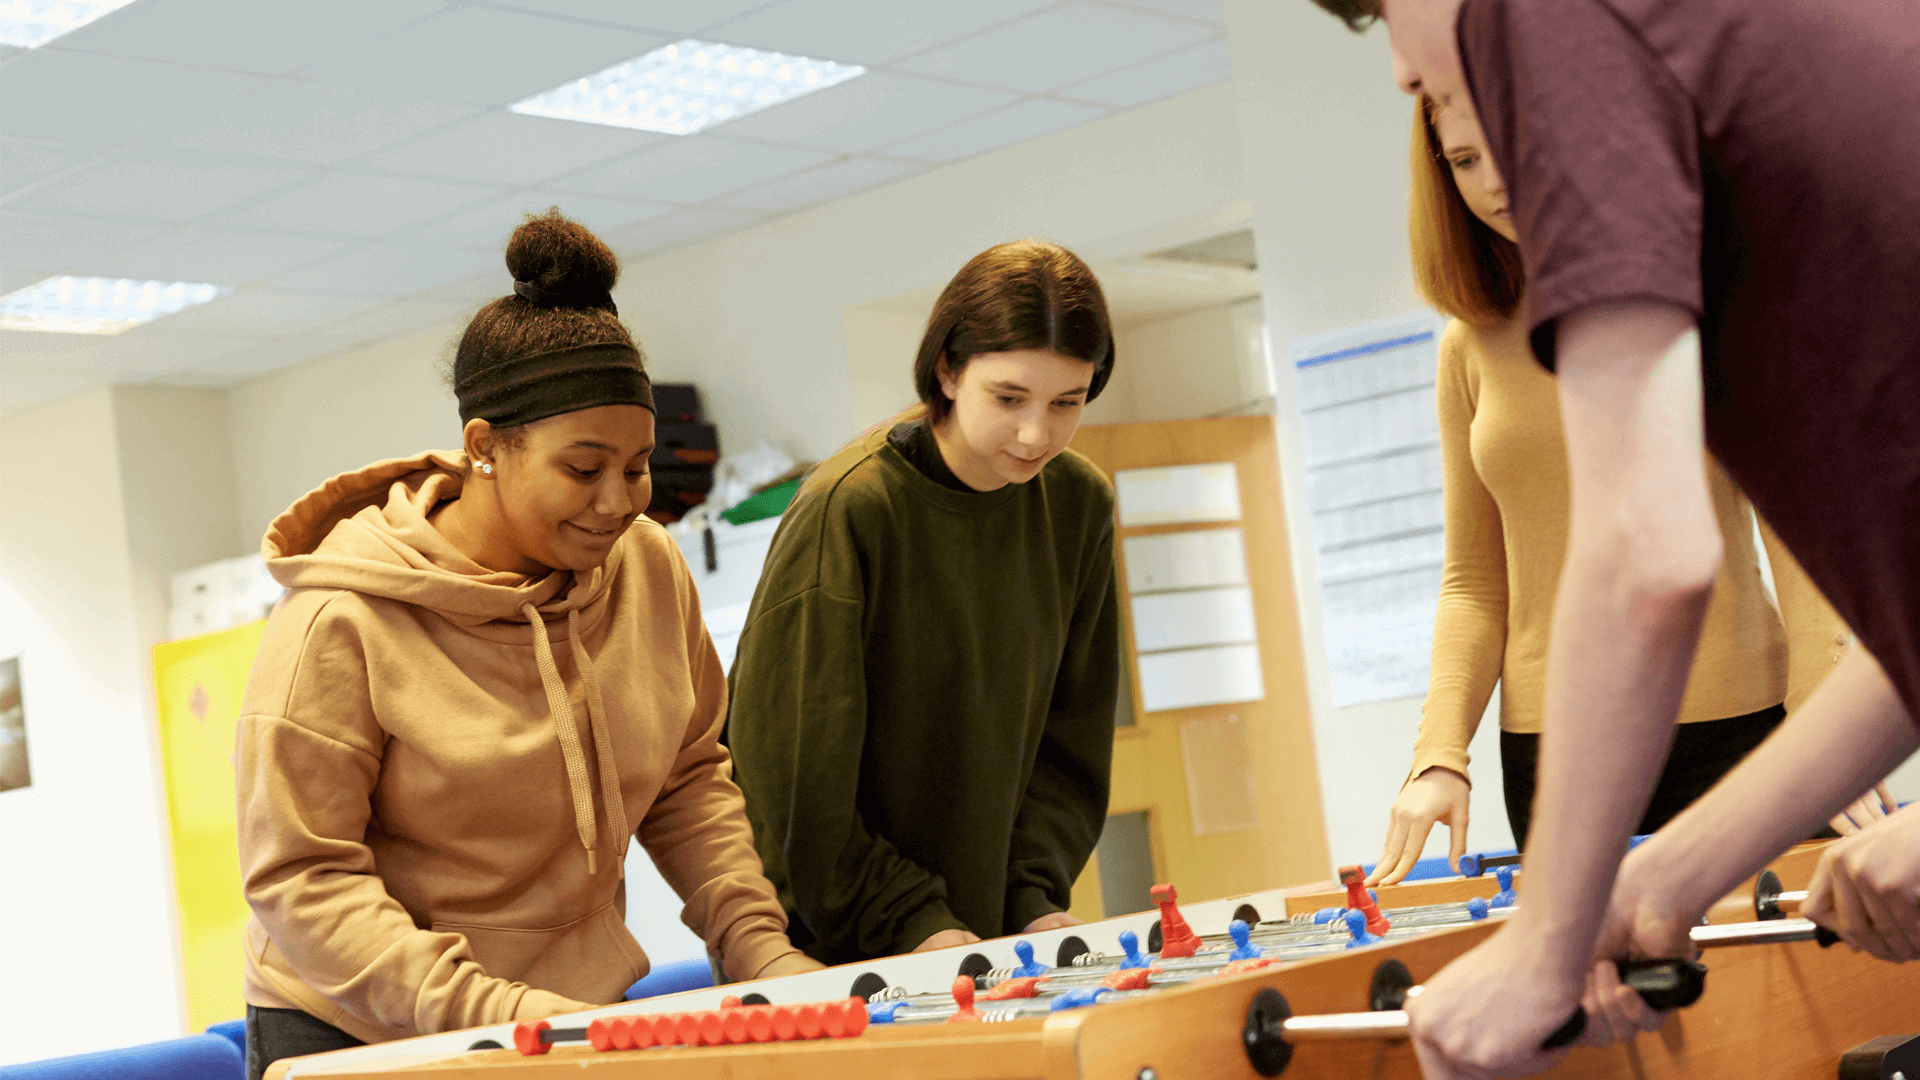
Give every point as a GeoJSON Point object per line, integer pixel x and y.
{"type": "Point", "coordinates": [199, 682]}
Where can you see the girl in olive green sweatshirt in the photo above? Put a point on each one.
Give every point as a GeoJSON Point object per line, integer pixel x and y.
{"type": "Point", "coordinates": [923, 700]}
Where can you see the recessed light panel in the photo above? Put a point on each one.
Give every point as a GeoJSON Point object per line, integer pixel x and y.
{"type": "Point", "coordinates": [29, 24]}
{"type": "Point", "coordinates": [83, 305]}
{"type": "Point", "coordinates": [681, 88]}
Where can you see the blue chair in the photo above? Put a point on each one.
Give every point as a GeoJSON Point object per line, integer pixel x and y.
{"type": "Point", "coordinates": [232, 1029]}
{"type": "Point", "coordinates": [196, 1057]}
{"type": "Point", "coordinates": [674, 978]}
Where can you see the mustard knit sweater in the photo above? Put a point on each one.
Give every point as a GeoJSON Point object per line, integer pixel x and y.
{"type": "Point", "coordinates": [1505, 475]}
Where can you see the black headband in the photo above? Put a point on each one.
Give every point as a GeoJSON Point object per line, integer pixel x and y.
{"type": "Point", "coordinates": [535, 387]}
{"type": "Point", "coordinates": [539, 297]}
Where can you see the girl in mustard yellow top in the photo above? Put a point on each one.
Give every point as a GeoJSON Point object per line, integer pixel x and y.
{"type": "Point", "coordinates": [1505, 478]}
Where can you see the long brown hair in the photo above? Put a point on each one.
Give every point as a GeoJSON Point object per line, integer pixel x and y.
{"type": "Point", "coordinates": [1027, 294]}
{"type": "Point", "coordinates": [1462, 267]}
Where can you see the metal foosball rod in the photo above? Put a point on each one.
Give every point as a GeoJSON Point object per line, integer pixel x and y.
{"type": "Point", "coordinates": [1770, 901]}
{"type": "Point", "coordinates": [1272, 1030]}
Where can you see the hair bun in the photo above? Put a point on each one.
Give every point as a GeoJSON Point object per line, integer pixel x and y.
{"type": "Point", "coordinates": [562, 262]}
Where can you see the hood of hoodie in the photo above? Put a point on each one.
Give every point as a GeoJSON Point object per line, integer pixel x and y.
{"type": "Point", "coordinates": [370, 531]}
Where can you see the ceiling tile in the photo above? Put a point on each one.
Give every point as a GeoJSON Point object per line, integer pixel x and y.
{"type": "Point", "coordinates": [666, 16]}
{"type": "Point", "coordinates": [1191, 69]}
{"type": "Point", "coordinates": [470, 290]}
{"type": "Point", "coordinates": [387, 270]}
{"type": "Point", "coordinates": [867, 31]}
{"type": "Point", "coordinates": [508, 148]}
{"type": "Point", "coordinates": [265, 313]}
{"type": "Point", "coordinates": [873, 110]}
{"type": "Point", "coordinates": [138, 353]}
{"type": "Point", "coordinates": [220, 256]}
{"type": "Point", "coordinates": [256, 359]}
{"type": "Point", "coordinates": [818, 185]}
{"type": "Point", "coordinates": [679, 227]}
{"type": "Point", "coordinates": [355, 204]}
{"type": "Point", "coordinates": [689, 169]}
{"type": "Point", "coordinates": [33, 350]}
{"type": "Point", "coordinates": [1213, 11]}
{"type": "Point", "coordinates": [1059, 46]}
{"type": "Point", "coordinates": [303, 121]}
{"type": "Point", "coordinates": [243, 35]}
{"type": "Point", "coordinates": [398, 317]}
{"type": "Point", "coordinates": [994, 130]}
{"type": "Point", "coordinates": [29, 161]}
{"type": "Point", "coordinates": [481, 55]}
{"type": "Point", "coordinates": [104, 99]}
{"type": "Point", "coordinates": [13, 279]}
{"type": "Point", "coordinates": [47, 244]}
{"type": "Point", "coordinates": [22, 390]}
{"type": "Point", "coordinates": [157, 185]}
{"type": "Point", "coordinates": [487, 227]}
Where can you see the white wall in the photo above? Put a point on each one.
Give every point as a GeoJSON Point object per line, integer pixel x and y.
{"type": "Point", "coordinates": [176, 469]}
{"type": "Point", "coordinates": [1182, 367]}
{"type": "Point", "coordinates": [298, 427]}
{"type": "Point", "coordinates": [87, 901]}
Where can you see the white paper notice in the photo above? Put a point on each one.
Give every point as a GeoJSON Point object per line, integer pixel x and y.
{"type": "Point", "coordinates": [1177, 494]}
{"type": "Point", "coordinates": [1370, 434]}
{"type": "Point", "coordinates": [1182, 620]}
{"type": "Point", "coordinates": [1200, 559]}
{"type": "Point", "coordinates": [1220, 675]}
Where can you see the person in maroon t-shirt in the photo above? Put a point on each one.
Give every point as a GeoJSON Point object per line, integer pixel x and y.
{"type": "Point", "coordinates": [1718, 205]}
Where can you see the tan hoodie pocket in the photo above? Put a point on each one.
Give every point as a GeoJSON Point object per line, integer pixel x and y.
{"type": "Point", "coordinates": [593, 958]}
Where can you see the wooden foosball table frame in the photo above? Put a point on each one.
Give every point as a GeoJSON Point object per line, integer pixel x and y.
{"type": "Point", "coordinates": [1786, 1011]}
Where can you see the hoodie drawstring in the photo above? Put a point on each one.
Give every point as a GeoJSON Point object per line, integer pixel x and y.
{"type": "Point", "coordinates": [602, 739]}
{"type": "Point", "coordinates": [569, 733]}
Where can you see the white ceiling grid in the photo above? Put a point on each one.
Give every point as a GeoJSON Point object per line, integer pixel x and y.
{"type": "Point", "coordinates": [351, 169]}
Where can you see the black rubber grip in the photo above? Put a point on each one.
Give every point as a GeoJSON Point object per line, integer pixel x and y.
{"type": "Point", "coordinates": [1564, 1035]}
{"type": "Point", "coordinates": [1663, 984]}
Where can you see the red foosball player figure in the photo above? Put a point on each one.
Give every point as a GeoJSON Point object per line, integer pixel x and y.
{"type": "Point", "coordinates": [1358, 899]}
{"type": "Point", "coordinates": [1177, 939]}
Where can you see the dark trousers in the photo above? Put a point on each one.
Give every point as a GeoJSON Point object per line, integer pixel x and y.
{"type": "Point", "coordinates": [1702, 753]}
{"type": "Point", "coordinates": [273, 1034]}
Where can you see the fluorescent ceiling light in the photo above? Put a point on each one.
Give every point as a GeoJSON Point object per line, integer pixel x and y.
{"type": "Point", "coordinates": [680, 88]}
{"type": "Point", "coordinates": [76, 305]}
{"type": "Point", "coordinates": [29, 24]}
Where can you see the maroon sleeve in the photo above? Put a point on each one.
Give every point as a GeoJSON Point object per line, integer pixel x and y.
{"type": "Point", "coordinates": [1598, 146]}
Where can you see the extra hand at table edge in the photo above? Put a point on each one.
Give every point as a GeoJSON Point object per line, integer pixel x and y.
{"type": "Point", "coordinates": [1052, 920]}
{"type": "Point", "coordinates": [947, 939]}
{"type": "Point", "coordinates": [1874, 806]}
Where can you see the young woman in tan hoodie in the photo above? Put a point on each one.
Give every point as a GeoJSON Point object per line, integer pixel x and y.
{"type": "Point", "coordinates": [1505, 472]}
{"type": "Point", "coordinates": [490, 673]}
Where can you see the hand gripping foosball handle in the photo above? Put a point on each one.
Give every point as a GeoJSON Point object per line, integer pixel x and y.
{"type": "Point", "coordinates": [1272, 1030]}
{"type": "Point", "coordinates": [1664, 985]}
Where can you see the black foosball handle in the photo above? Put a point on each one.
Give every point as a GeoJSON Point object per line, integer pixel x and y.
{"type": "Point", "coordinates": [1663, 984]}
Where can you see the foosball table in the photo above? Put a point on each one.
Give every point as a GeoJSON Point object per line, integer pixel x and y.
{"type": "Point", "coordinates": [1297, 983]}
